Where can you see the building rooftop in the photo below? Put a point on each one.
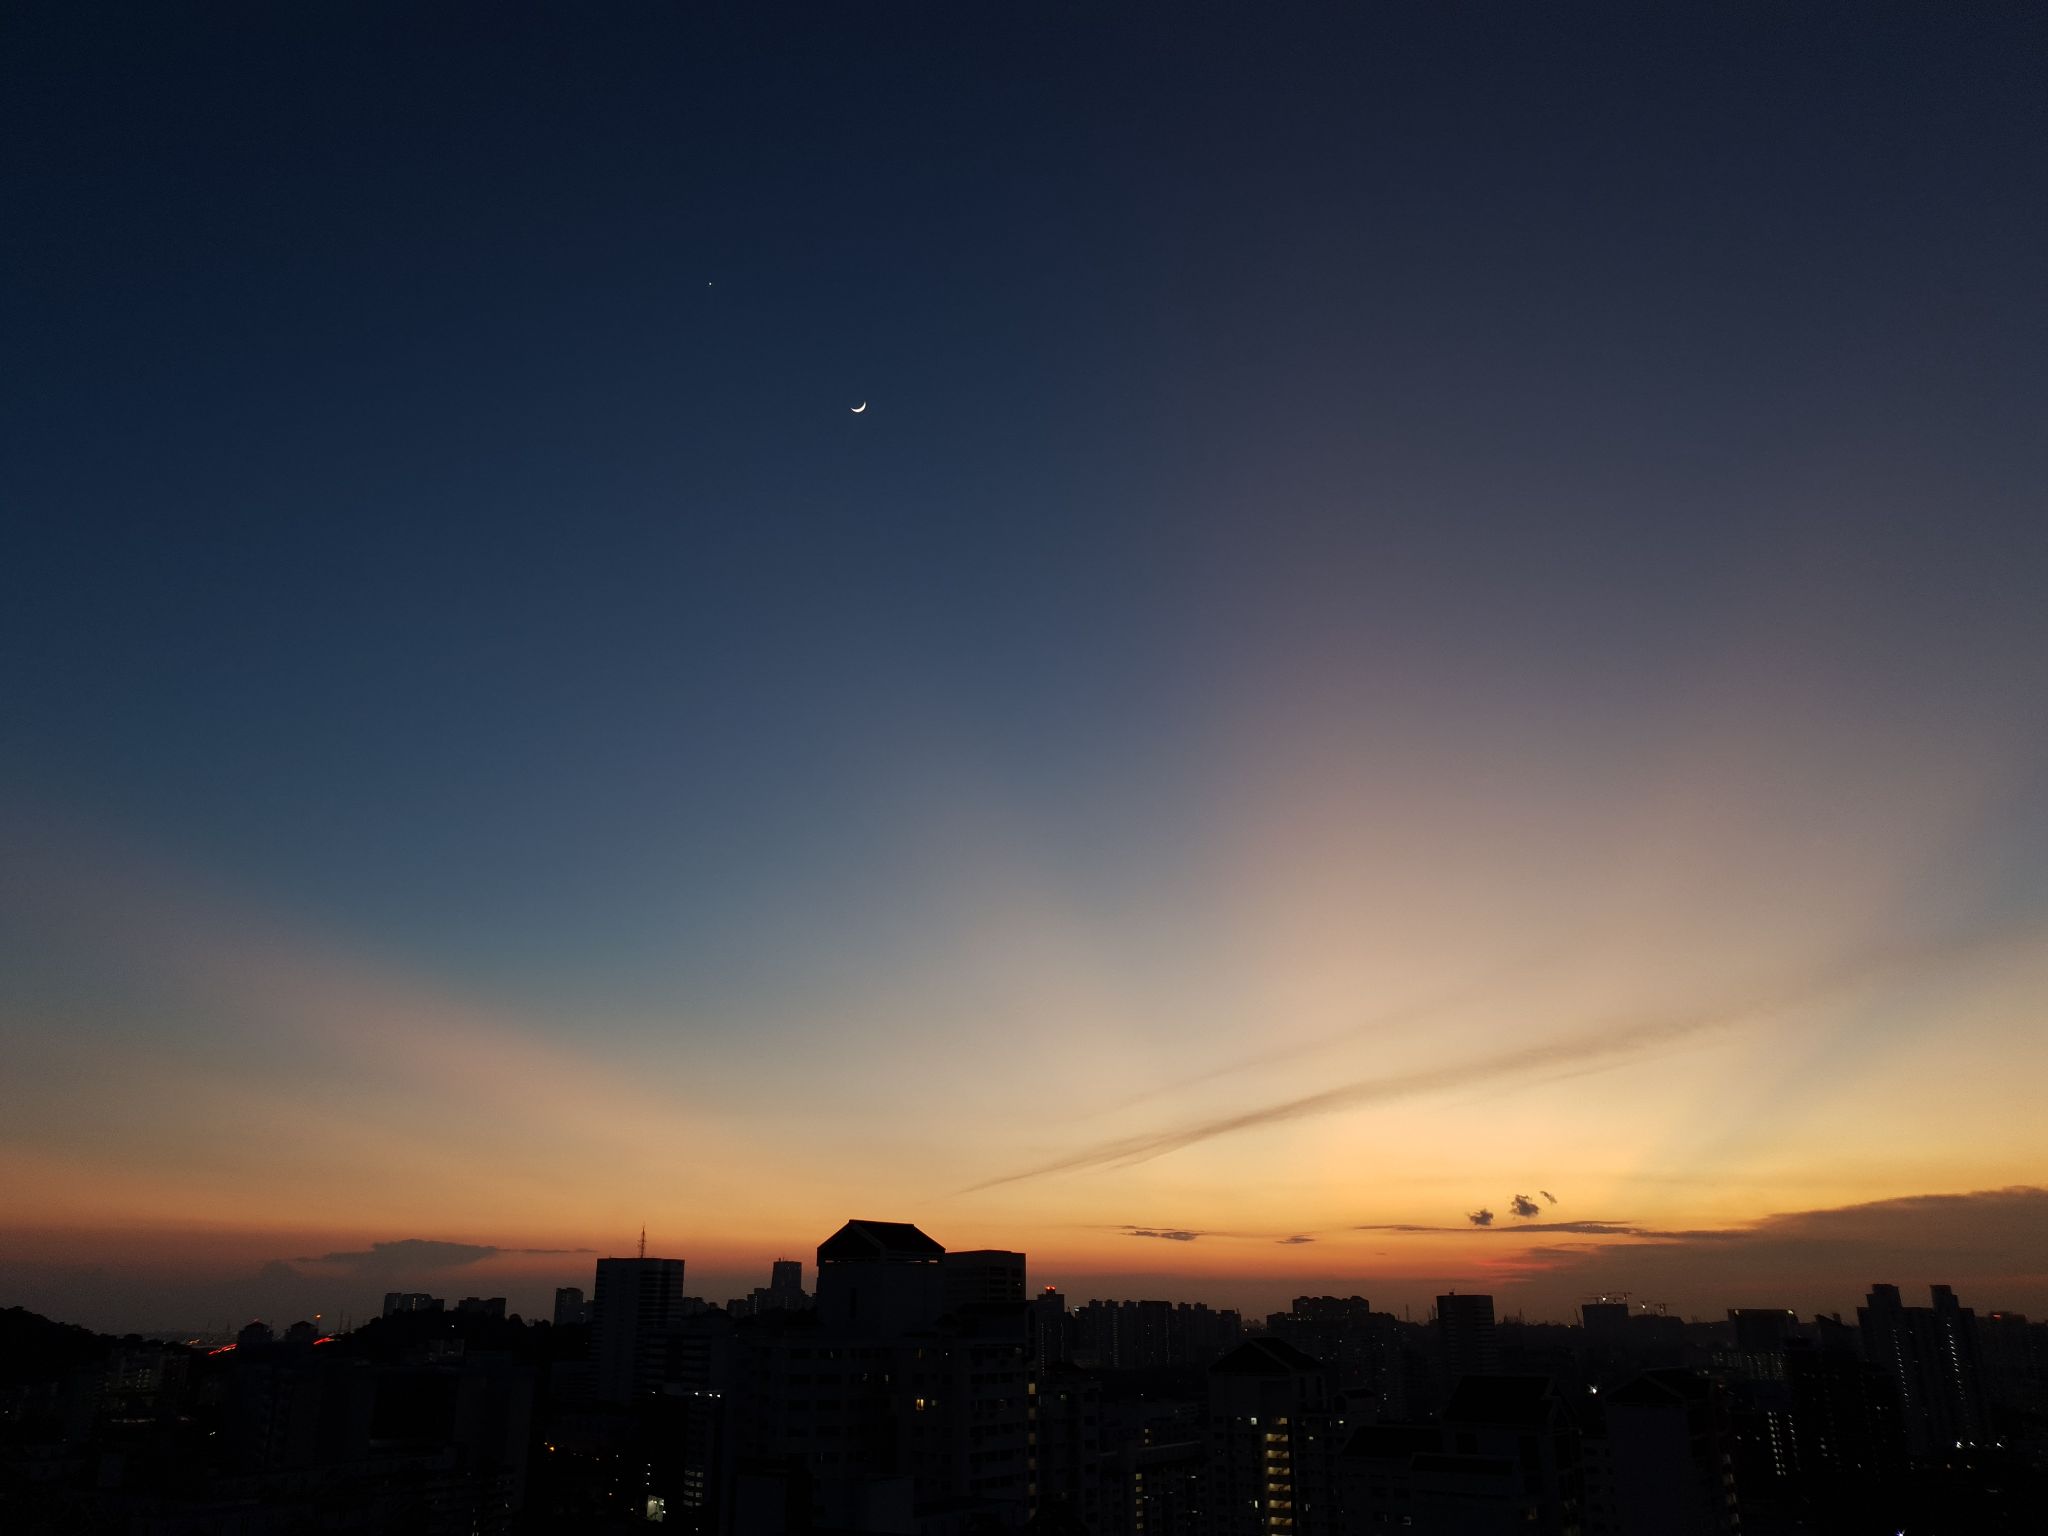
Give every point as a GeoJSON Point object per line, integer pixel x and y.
{"type": "Point", "coordinates": [1265, 1357]}
{"type": "Point", "coordinates": [886, 1241]}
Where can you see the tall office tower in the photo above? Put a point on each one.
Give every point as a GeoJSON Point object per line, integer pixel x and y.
{"type": "Point", "coordinates": [784, 1292]}
{"type": "Point", "coordinates": [637, 1302]}
{"type": "Point", "coordinates": [1271, 1440]}
{"type": "Point", "coordinates": [1931, 1353]}
{"type": "Point", "coordinates": [982, 1274]}
{"type": "Point", "coordinates": [786, 1283]}
{"type": "Point", "coordinates": [1465, 1326]}
{"type": "Point", "coordinates": [570, 1308]}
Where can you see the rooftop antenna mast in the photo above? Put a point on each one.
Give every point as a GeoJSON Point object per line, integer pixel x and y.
{"type": "Point", "coordinates": [643, 1239]}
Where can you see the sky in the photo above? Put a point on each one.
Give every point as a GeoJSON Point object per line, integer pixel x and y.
{"type": "Point", "coordinates": [1436, 614]}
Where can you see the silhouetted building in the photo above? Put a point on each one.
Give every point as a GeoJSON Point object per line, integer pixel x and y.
{"type": "Point", "coordinates": [1466, 1333]}
{"type": "Point", "coordinates": [1124, 1335]}
{"type": "Point", "coordinates": [570, 1307]}
{"type": "Point", "coordinates": [1658, 1460]}
{"type": "Point", "coordinates": [786, 1283]}
{"type": "Point", "coordinates": [410, 1301]}
{"type": "Point", "coordinates": [1198, 1335]}
{"type": "Point", "coordinates": [880, 1277]}
{"type": "Point", "coordinates": [1069, 1470]}
{"type": "Point", "coordinates": [1504, 1460]}
{"type": "Point", "coordinates": [1523, 1421]}
{"type": "Point", "coordinates": [881, 1406]}
{"type": "Point", "coordinates": [982, 1274]}
{"type": "Point", "coordinates": [1149, 1335]}
{"type": "Point", "coordinates": [482, 1306]}
{"type": "Point", "coordinates": [1270, 1438]}
{"type": "Point", "coordinates": [2014, 1355]}
{"type": "Point", "coordinates": [1931, 1355]}
{"type": "Point", "coordinates": [784, 1292]}
{"type": "Point", "coordinates": [1156, 1488]}
{"type": "Point", "coordinates": [1605, 1320]}
{"type": "Point", "coordinates": [1050, 1344]}
{"type": "Point", "coordinates": [637, 1303]}
{"type": "Point", "coordinates": [1763, 1330]}
{"type": "Point", "coordinates": [1845, 1409]}
{"type": "Point", "coordinates": [1363, 1346]}
{"type": "Point", "coordinates": [704, 1364]}
{"type": "Point", "coordinates": [1400, 1477]}
{"type": "Point", "coordinates": [310, 1439]}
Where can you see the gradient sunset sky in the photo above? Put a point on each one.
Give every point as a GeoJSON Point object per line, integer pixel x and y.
{"type": "Point", "coordinates": [1433, 604]}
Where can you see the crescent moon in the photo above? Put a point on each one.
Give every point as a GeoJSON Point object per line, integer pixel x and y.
{"type": "Point", "coordinates": [859, 408]}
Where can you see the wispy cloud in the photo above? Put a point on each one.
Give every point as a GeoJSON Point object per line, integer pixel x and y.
{"type": "Point", "coordinates": [1587, 1049]}
{"type": "Point", "coordinates": [1172, 1234]}
{"type": "Point", "coordinates": [1437, 1006]}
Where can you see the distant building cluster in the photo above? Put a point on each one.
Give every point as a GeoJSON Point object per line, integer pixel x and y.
{"type": "Point", "coordinates": [925, 1392]}
{"type": "Point", "coordinates": [396, 1302]}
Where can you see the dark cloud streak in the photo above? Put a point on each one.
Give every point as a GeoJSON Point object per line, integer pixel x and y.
{"type": "Point", "coordinates": [422, 1253]}
{"type": "Point", "coordinates": [1585, 1228]}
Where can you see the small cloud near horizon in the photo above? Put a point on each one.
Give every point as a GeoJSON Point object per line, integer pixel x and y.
{"type": "Point", "coordinates": [1481, 1217]}
{"type": "Point", "coordinates": [1524, 1207]}
{"type": "Point", "coordinates": [1291, 1241]}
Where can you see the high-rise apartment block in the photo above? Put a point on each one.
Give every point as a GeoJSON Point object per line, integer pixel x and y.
{"type": "Point", "coordinates": [1931, 1354]}
{"type": "Point", "coordinates": [638, 1302]}
{"type": "Point", "coordinates": [1465, 1328]}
